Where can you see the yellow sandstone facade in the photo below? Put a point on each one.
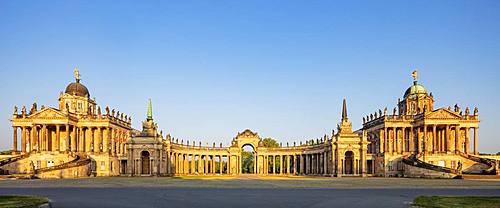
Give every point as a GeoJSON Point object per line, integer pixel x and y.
{"type": "Point", "coordinates": [78, 140]}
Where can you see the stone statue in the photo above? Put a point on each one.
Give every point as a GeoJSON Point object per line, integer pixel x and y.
{"type": "Point", "coordinates": [371, 117]}
{"type": "Point", "coordinates": [214, 144]}
{"type": "Point", "coordinates": [394, 111]}
{"type": "Point", "coordinates": [294, 144]}
{"type": "Point", "coordinates": [15, 110]}
{"type": "Point", "coordinates": [385, 111]}
{"type": "Point", "coordinates": [367, 118]}
{"type": "Point", "coordinates": [475, 111]}
{"type": "Point", "coordinates": [130, 119]}
{"type": "Point", "coordinates": [107, 110]}
{"type": "Point", "coordinates": [287, 144]}
{"type": "Point", "coordinates": [414, 74]}
{"type": "Point", "coordinates": [456, 108]}
{"type": "Point", "coordinates": [200, 144]}
{"type": "Point", "coordinates": [467, 111]}
{"type": "Point", "coordinates": [459, 168]}
{"type": "Point", "coordinates": [43, 107]}
{"type": "Point", "coordinates": [99, 111]}
{"type": "Point", "coordinates": [23, 111]}
{"type": "Point", "coordinates": [126, 118]}
{"type": "Point", "coordinates": [364, 120]}
{"type": "Point", "coordinates": [449, 108]}
{"type": "Point", "coordinates": [380, 112]}
{"type": "Point", "coordinates": [113, 113]}
{"type": "Point", "coordinates": [431, 94]}
{"type": "Point", "coordinates": [77, 74]}
{"type": "Point", "coordinates": [32, 168]}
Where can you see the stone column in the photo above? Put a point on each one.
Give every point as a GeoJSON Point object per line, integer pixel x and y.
{"type": "Point", "coordinates": [476, 152]}
{"type": "Point", "coordinates": [73, 139]}
{"type": "Point", "coordinates": [105, 141]}
{"type": "Point", "coordinates": [58, 138]}
{"type": "Point", "coordinates": [447, 139]}
{"type": "Point", "coordinates": [205, 170]}
{"type": "Point", "coordinates": [281, 164]}
{"type": "Point", "coordinates": [381, 141]}
{"type": "Point", "coordinates": [467, 140]}
{"type": "Point", "coordinates": [435, 139]}
{"type": "Point", "coordinates": [411, 140]}
{"type": "Point", "coordinates": [294, 164]}
{"type": "Point", "coordinates": [97, 140]}
{"type": "Point", "coordinates": [14, 144]}
{"type": "Point", "coordinates": [403, 142]}
{"type": "Point", "coordinates": [426, 147]}
{"type": "Point", "coordinates": [33, 138]}
{"type": "Point", "coordinates": [386, 140]}
{"type": "Point", "coordinates": [66, 140]}
{"type": "Point", "coordinates": [23, 139]}
{"type": "Point", "coordinates": [113, 139]}
{"type": "Point", "coordinates": [457, 139]}
{"type": "Point", "coordinates": [45, 138]}
{"type": "Point", "coordinates": [288, 165]}
{"type": "Point", "coordinates": [220, 165]}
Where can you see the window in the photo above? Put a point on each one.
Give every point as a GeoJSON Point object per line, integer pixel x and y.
{"type": "Point", "coordinates": [80, 106]}
{"type": "Point", "coordinates": [103, 165]}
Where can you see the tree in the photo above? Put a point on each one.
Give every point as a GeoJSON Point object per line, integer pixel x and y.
{"type": "Point", "coordinates": [270, 142]}
{"type": "Point", "coordinates": [247, 158]}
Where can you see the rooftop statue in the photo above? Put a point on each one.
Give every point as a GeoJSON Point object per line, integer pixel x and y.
{"type": "Point", "coordinates": [77, 75]}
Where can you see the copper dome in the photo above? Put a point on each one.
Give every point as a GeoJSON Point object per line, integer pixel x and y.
{"type": "Point", "coordinates": [77, 89]}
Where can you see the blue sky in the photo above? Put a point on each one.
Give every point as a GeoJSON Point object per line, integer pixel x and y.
{"type": "Point", "coordinates": [281, 68]}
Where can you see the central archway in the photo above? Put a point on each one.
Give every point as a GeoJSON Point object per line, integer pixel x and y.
{"type": "Point", "coordinates": [349, 163]}
{"type": "Point", "coordinates": [248, 159]}
{"type": "Point", "coordinates": [145, 163]}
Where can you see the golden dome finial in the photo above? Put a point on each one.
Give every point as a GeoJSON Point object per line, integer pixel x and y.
{"type": "Point", "coordinates": [77, 74]}
{"type": "Point", "coordinates": [414, 74]}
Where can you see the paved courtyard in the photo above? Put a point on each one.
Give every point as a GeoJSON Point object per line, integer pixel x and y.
{"type": "Point", "coordinates": [243, 191]}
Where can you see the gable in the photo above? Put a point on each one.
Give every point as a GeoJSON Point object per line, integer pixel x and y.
{"type": "Point", "coordinates": [48, 113]}
{"type": "Point", "coordinates": [442, 114]}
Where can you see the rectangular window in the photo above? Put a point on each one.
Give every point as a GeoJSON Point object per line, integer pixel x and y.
{"type": "Point", "coordinates": [103, 165]}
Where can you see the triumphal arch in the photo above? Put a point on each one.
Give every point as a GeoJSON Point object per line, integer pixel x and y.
{"type": "Point", "coordinates": [77, 139]}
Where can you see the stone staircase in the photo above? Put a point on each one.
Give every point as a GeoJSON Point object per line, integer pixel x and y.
{"type": "Point", "coordinates": [414, 161]}
{"type": "Point", "coordinates": [11, 160]}
{"type": "Point", "coordinates": [489, 163]}
{"type": "Point", "coordinates": [79, 160]}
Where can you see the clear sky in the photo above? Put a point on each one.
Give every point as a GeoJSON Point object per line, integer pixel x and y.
{"type": "Point", "coordinates": [281, 68]}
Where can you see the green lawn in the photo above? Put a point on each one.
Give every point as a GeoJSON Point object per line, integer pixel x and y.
{"type": "Point", "coordinates": [457, 201]}
{"type": "Point", "coordinates": [21, 201]}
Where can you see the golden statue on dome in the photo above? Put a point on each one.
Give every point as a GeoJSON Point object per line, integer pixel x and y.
{"type": "Point", "coordinates": [414, 74]}
{"type": "Point", "coordinates": [77, 74]}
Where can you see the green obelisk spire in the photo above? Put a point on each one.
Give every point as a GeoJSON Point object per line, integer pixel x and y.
{"type": "Point", "coordinates": [150, 111]}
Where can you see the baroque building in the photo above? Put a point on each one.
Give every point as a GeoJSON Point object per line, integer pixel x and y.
{"type": "Point", "coordinates": [75, 132]}
{"type": "Point", "coordinates": [78, 140]}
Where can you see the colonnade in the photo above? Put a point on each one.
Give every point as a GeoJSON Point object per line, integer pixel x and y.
{"type": "Point", "coordinates": [70, 138]}
{"type": "Point", "coordinates": [432, 138]}
{"type": "Point", "coordinates": [265, 164]}
{"type": "Point", "coordinates": [201, 164]}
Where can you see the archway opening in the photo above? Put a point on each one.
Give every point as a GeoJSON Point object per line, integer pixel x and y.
{"type": "Point", "coordinates": [145, 167]}
{"type": "Point", "coordinates": [248, 159]}
{"type": "Point", "coordinates": [349, 162]}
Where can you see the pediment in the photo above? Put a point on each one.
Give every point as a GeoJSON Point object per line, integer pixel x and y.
{"type": "Point", "coordinates": [48, 113]}
{"type": "Point", "coordinates": [442, 114]}
{"type": "Point", "coordinates": [247, 134]}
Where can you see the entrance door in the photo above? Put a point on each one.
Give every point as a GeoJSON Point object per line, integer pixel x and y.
{"type": "Point", "coordinates": [349, 157]}
{"type": "Point", "coordinates": [145, 162]}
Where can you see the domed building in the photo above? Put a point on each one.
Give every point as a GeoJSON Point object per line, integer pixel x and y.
{"type": "Point", "coordinates": [439, 138]}
{"type": "Point", "coordinates": [76, 139]}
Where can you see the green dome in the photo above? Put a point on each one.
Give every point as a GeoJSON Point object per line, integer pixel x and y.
{"type": "Point", "coordinates": [414, 90]}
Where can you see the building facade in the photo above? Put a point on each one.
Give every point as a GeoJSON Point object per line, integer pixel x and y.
{"type": "Point", "coordinates": [78, 140]}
